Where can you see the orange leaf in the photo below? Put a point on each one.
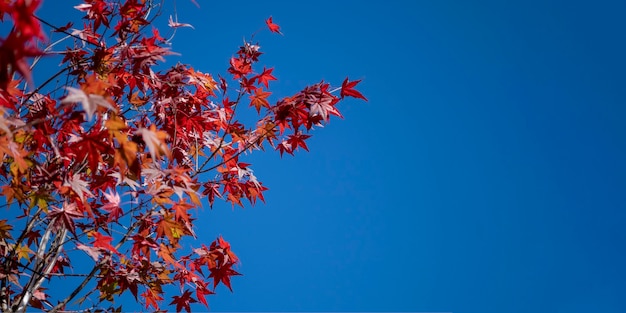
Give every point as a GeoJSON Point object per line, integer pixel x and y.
{"type": "Point", "coordinates": [259, 99]}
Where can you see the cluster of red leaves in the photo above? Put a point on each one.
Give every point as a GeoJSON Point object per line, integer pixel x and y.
{"type": "Point", "coordinates": [20, 44]}
{"type": "Point", "coordinates": [114, 166]}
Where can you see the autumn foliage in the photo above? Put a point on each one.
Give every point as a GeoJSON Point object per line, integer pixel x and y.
{"type": "Point", "coordinates": [104, 173]}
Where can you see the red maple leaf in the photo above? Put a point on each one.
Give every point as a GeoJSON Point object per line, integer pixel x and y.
{"type": "Point", "coordinates": [201, 292]}
{"type": "Point", "coordinates": [24, 18]}
{"type": "Point", "coordinates": [13, 54]}
{"type": "Point", "coordinates": [347, 89]}
{"type": "Point", "coordinates": [284, 146]}
{"type": "Point", "coordinates": [274, 28]}
{"type": "Point", "coordinates": [298, 141]}
{"type": "Point", "coordinates": [211, 189]}
{"type": "Point", "coordinates": [259, 99]}
{"type": "Point", "coordinates": [142, 244]}
{"type": "Point", "coordinates": [180, 210]}
{"type": "Point", "coordinates": [64, 218]}
{"type": "Point", "coordinates": [222, 274]}
{"type": "Point", "coordinates": [225, 245]}
{"type": "Point", "coordinates": [183, 301]}
{"type": "Point", "coordinates": [239, 67]}
{"type": "Point", "coordinates": [104, 242]}
{"type": "Point", "coordinates": [265, 77]}
{"type": "Point", "coordinates": [152, 298]}
{"type": "Point", "coordinates": [92, 146]}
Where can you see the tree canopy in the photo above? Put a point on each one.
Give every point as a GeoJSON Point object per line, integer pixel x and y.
{"type": "Point", "coordinates": [106, 161]}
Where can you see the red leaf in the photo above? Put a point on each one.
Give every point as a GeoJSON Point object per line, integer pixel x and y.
{"type": "Point", "coordinates": [211, 189]}
{"type": "Point", "coordinates": [92, 146]}
{"type": "Point", "coordinates": [265, 77]}
{"type": "Point", "coordinates": [183, 301]}
{"type": "Point", "coordinates": [152, 298]}
{"type": "Point", "coordinates": [104, 242]}
{"type": "Point", "coordinates": [202, 291]}
{"type": "Point", "coordinates": [180, 210]}
{"type": "Point", "coordinates": [24, 19]}
{"type": "Point", "coordinates": [64, 28]}
{"type": "Point", "coordinates": [298, 141]}
{"type": "Point", "coordinates": [13, 54]}
{"type": "Point", "coordinates": [347, 89]}
{"type": "Point", "coordinates": [259, 99]}
{"type": "Point", "coordinates": [274, 28]}
{"type": "Point", "coordinates": [65, 218]}
{"type": "Point", "coordinates": [222, 274]}
{"type": "Point", "coordinates": [239, 67]}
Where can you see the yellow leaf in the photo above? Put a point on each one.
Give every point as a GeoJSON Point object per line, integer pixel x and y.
{"type": "Point", "coordinates": [23, 251]}
{"type": "Point", "coordinates": [115, 123]}
{"type": "Point", "coordinates": [194, 198]}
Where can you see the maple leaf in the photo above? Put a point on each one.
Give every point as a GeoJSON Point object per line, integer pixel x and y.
{"type": "Point", "coordinates": [154, 140]}
{"type": "Point", "coordinates": [298, 140]}
{"type": "Point", "coordinates": [13, 54]}
{"type": "Point", "coordinates": [259, 99]}
{"type": "Point", "coordinates": [89, 102]}
{"type": "Point", "coordinates": [239, 67]}
{"type": "Point", "coordinates": [8, 96]}
{"type": "Point", "coordinates": [79, 186]}
{"type": "Point", "coordinates": [24, 18]}
{"type": "Point", "coordinates": [112, 206]}
{"type": "Point", "coordinates": [14, 150]}
{"type": "Point", "coordinates": [32, 236]}
{"type": "Point", "coordinates": [5, 230]}
{"type": "Point", "coordinates": [104, 242]}
{"type": "Point", "coordinates": [170, 228]}
{"type": "Point", "coordinates": [96, 10]}
{"type": "Point", "coordinates": [60, 264]}
{"type": "Point", "coordinates": [211, 189]}
{"type": "Point", "coordinates": [64, 218]}
{"type": "Point", "coordinates": [91, 147]}
{"type": "Point", "coordinates": [265, 77]}
{"type": "Point", "coordinates": [183, 301]}
{"type": "Point", "coordinates": [180, 210]}
{"type": "Point", "coordinates": [167, 254]}
{"type": "Point", "coordinates": [222, 274]}
{"type": "Point", "coordinates": [206, 81]}
{"type": "Point", "coordinates": [142, 244]}
{"type": "Point", "coordinates": [93, 252]}
{"type": "Point", "coordinates": [201, 292]}
{"type": "Point", "coordinates": [284, 146]}
{"type": "Point", "coordinates": [152, 298]}
{"type": "Point", "coordinates": [23, 251]}
{"type": "Point", "coordinates": [5, 124]}
{"type": "Point", "coordinates": [63, 28]}
{"type": "Point", "coordinates": [39, 298]}
{"type": "Point", "coordinates": [274, 28]}
{"type": "Point", "coordinates": [123, 179]}
{"type": "Point", "coordinates": [225, 245]}
{"type": "Point", "coordinates": [347, 89]}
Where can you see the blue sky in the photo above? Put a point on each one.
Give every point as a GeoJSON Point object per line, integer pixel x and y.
{"type": "Point", "coordinates": [485, 174]}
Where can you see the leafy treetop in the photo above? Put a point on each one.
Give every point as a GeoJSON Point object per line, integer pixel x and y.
{"type": "Point", "coordinates": [107, 160]}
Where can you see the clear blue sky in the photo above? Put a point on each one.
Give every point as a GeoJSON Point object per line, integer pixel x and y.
{"type": "Point", "coordinates": [486, 174]}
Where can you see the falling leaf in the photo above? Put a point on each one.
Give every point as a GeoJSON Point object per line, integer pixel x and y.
{"type": "Point", "coordinates": [274, 28]}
